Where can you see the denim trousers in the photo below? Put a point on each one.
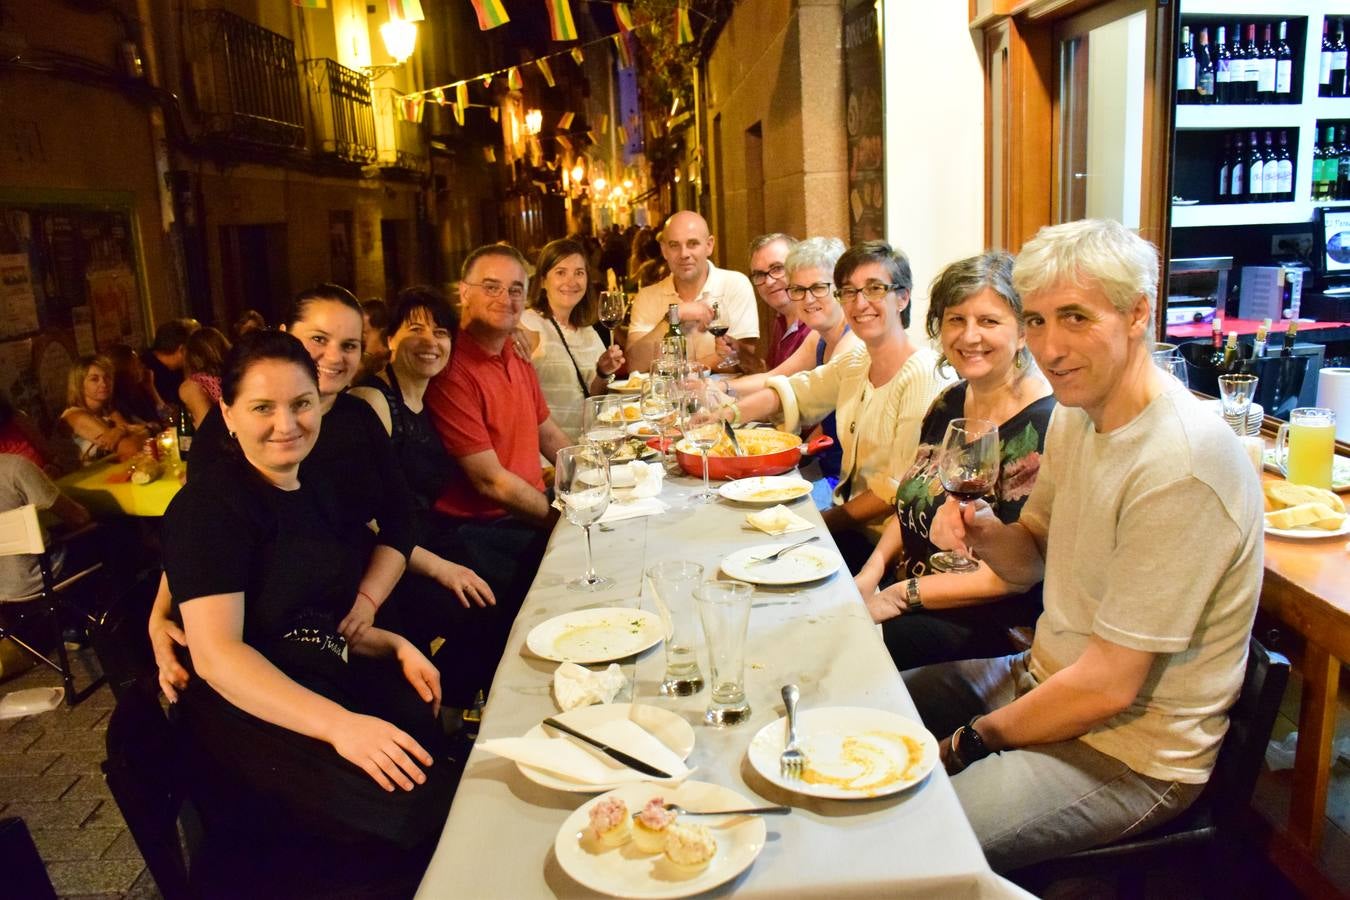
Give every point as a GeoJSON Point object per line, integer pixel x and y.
{"type": "Point", "coordinates": [1043, 801]}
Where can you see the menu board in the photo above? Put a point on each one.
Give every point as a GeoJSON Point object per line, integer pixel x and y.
{"type": "Point", "coordinates": [863, 81]}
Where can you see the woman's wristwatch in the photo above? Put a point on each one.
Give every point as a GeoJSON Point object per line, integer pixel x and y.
{"type": "Point", "coordinates": [607, 379]}
{"type": "Point", "coordinates": [967, 745]}
{"type": "Point", "coordinates": [912, 601]}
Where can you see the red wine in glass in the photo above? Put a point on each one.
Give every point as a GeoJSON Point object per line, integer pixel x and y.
{"type": "Point", "coordinates": [967, 464]}
{"type": "Point", "coordinates": [717, 329]}
{"type": "Point", "coordinates": [968, 490]}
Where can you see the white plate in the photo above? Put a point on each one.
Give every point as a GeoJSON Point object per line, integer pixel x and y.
{"type": "Point", "coordinates": [766, 490]}
{"type": "Point", "coordinates": [627, 386]}
{"type": "Point", "coordinates": [595, 635]}
{"type": "Point", "coordinates": [1309, 534]}
{"type": "Point", "coordinates": [624, 872]}
{"type": "Point", "coordinates": [886, 752]}
{"type": "Point", "coordinates": [664, 725]}
{"type": "Point", "coordinates": [806, 563]}
{"type": "Point", "coordinates": [621, 415]}
{"type": "Point", "coordinates": [641, 430]}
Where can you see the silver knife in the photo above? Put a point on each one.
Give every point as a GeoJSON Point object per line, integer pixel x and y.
{"type": "Point", "coordinates": [631, 762]}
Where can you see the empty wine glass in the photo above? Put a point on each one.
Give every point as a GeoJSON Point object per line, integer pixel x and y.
{"type": "Point", "coordinates": [967, 464]}
{"type": "Point", "coordinates": [658, 403]}
{"type": "Point", "coordinates": [704, 428]}
{"type": "Point", "coordinates": [604, 421]}
{"type": "Point", "coordinates": [1173, 364]}
{"type": "Point", "coordinates": [582, 484]}
{"type": "Point", "coordinates": [718, 328]}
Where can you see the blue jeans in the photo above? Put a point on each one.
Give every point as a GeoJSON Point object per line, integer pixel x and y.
{"type": "Point", "coordinates": [1044, 801]}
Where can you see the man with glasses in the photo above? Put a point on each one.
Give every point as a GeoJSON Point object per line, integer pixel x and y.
{"type": "Point", "coordinates": [768, 275]}
{"type": "Point", "coordinates": [695, 286]}
{"type": "Point", "coordinates": [491, 415]}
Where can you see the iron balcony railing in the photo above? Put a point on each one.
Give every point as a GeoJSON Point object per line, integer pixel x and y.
{"type": "Point", "coordinates": [246, 81]}
{"type": "Point", "coordinates": [344, 118]}
{"type": "Point", "coordinates": [402, 144]}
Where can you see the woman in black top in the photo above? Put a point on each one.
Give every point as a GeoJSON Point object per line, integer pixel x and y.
{"type": "Point", "coordinates": [263, 561]}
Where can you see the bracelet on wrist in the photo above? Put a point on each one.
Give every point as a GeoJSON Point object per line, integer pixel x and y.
{"type": "Point", "coordinates": [369, 599]}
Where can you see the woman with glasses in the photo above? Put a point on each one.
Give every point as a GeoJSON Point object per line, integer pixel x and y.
{"type": "Point", "coordinates": [879, 391]}
{"type": "Point", "coordinates": [927, 616]}
{"type": "Point", "coordinates": [569, 353]}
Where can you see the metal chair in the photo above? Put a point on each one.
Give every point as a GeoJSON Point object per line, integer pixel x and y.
{"type": "Point", "coordinates": [20, 534]}
{"type": "Point", "coordinates": [1210, 823]}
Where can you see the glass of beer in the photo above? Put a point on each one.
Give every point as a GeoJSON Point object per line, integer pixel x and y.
{"type": "Point", "coordinates": [1305, 446]}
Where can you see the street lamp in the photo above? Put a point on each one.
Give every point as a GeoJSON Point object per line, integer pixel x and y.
{"type": "Point", "coordinates": [534, 121]}
{"type": "Point", "coordinates": [579, 171]}
{"type": "Point", "coordinates": [400, 38]}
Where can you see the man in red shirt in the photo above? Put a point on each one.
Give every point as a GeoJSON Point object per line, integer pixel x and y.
{"type": "Point", "coordinates": [768, 253]}
{"type": "Point", "coordinates": [492, 417]}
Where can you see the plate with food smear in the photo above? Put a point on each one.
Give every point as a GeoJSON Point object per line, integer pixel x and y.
{"type": "Point", "coordinates": [595, 635]}
{"type": "Point", "coordinates": [765, 490]}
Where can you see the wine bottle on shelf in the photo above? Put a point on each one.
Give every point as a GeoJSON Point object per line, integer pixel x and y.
{"type": "Point", "coordinates": [1204, 70]}
{"type": "Point", "coordinates": [1284, 170]}
{"type": "Point", "coordinates": [1326, 174]}
{"type": "Point", "coordinates": [1338, 61]}
{"type": "Point", "coordinates": [1186, 68]}
{"type": "Point", "coordinates": [1223, 70]}
{"type": "Point", "coordinates": [1324, 62]}
{"type": "Point", "coordinates": [1253, 57]}
{"type": "Point", "coordinates": [1230, 353]}
{"type": "Point", "coordinates": [1284, 67]}
{"type": "Point", "coordinates": [1256, 171]}
{"type": "Point", "coordinates": [1265, 69]}
{"type": "Point", "coordinates": [1270, 174]}
{"type": "Point", "coordinates": [1290, 334]}
{"type": "Point", "coordinates": [1216, 341]}
{"type": "Point", "coordinates": [1259, 345]}
{"type": "Point", "coordinates": [1237, 190]}
{"type": "Point", "coordinates": [1225, 171]}
{"type": "Point", "coordinates": [1341, 189]}
{"type": "Point", "coordinates": [1237, 88]}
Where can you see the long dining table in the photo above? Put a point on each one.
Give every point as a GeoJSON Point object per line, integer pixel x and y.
{"type": "Point", "coordinates": [498, 838]}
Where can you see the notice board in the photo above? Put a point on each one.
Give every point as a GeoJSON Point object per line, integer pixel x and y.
{"type": "Point", "coordinates": [864, 80]}
{"type": "Point", "coordinates": [70, 283]}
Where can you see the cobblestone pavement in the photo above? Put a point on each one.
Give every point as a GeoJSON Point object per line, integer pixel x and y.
{"type": "Point", "coordinates": [50, 778]}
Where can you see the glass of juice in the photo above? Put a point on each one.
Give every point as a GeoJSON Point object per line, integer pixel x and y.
{"type": "Point", "coordinates": [1305, 446]}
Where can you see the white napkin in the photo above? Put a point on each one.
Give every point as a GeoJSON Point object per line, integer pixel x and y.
{"type": "Point", "coordinates": [647, 478]}
{"type": "Point", "coordinates": [569, 758]}
{"type": "Point", "coordinates": [777, 520]}
{"type": "Point", "coordinates": [633, 509]}
{"type": "Point", "coordinates": [575, 685]}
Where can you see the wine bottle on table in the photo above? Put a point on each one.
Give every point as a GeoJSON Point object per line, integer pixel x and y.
{"type": "Point", "coordinates": [186, 431]}
{"type": "Point", "coordinates": [1259, 345]}
{"type": "Point", "coordinates": [1216, 341]}
{"type": "Point", "coordinates": [1252, 55]}
{"type": "Point", "coordinates": [1338, 51]}
{"type": "Point", "coordinates": [1186, 68]}
{"type": "Point", "coordinates": [1284, 67]}
{"type": "Point", "coordinates": [1204, 70]}
{"type": "Point", "coordinates": [1284, 170]}
{"type": "Point", "coordinates": [1324, 61]}
{"type": "Point", "coordinates": [1290, 334]}
{"type": "Point", "coordinates": [1265, 69]}
{"type": "Point", "coordinates": [675, 331]}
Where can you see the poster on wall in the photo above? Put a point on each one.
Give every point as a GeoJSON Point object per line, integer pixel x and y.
{"type": "Point", "coordinates": [863, 80]}
{"type": "Point", "coordinates": [18, 305]}
{"type": "Point", "coordinates": [112, 296]}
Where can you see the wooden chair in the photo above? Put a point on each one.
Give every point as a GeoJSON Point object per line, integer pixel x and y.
{"type": "Point", "coordinates": [21, 534]}
{"type": "Point", "coordinates": [1210, 824]}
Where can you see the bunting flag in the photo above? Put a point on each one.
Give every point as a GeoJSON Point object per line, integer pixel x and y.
{"type": "Point", "coordinates": [513, 81]}
{"type": "Point", "coordinates": [490, 13]}
{"type": "Point", "coordinates": [490, 154]}
{"type": "Point", "coordinates": [407, 10]}
{"type": "Point", "coordinates": [487, 81]}
{"type": "Point", "coordinates": [565, 121]}
{"type": "Point", "coordinates": [462, 98]}
{"type": "Point", "coordinates": [458, 109]}
{"type": "Point", "coordinates": [310, 4]}
{"type": "Point", "coordinates": [563, 142]}
{"type": "Point", "coordinates": [623, 134]}
{"type": "Point", "coordinates": [623, 17]}
{"type": "Point", "coordinates": [438, 96]}
{"type": "Point", "coordinates": [495, 112]}
{"type": "Point", "coordinates": [547, 71]}
{"type": "Point", "coordinates": [625, 55]}
{"type": "Point", "coordinates": [411, 108]}
{"type": "Point", "coordinates": [577, 56]}
{"type": "Point", "coordinates": [682, 27]}
{"type": "Point", "coordinates": [603, 125]}
{"type": "Point", "coordinates": [590, 136]}
{"type": "Point", "coordinates": [560, 23]}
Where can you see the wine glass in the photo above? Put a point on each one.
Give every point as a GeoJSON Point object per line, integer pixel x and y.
{"type": "Point", "coordinates": [582, 484]}
{"type": "Point", "coordinates": [604, 422]}
{"type": "Point", "coordinates": [704, 429]}
{"type": "Point", "coordinates": [718, 327]}
{"type": "Point", "coordinates": [613, 308]}
{"type": "Point", "coordinates": [967, 464]}
{"type": "Point", "coordinates": [1173, 364]}
{"type": "Point", "coordinates": [658, 403]}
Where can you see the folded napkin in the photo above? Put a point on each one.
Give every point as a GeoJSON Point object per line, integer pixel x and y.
{"type": "Point", "coordinates": [574, 760]}
{"type": "Point", "coordinates": [777, 520]}
{"type": "Point", "coordinates": [575, 685]}
{"type": "Point", "coordinates": [633, 509]}
{"type": "Point", "coordinates": [647, 478]}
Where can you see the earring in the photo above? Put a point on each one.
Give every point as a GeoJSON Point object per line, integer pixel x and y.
{"type": "Point", "coordinates": [231, 434]}
{"type": "Point", "coordinates": [1020, 360]}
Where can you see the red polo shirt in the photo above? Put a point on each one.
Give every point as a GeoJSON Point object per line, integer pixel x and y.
{"type": "Point", "coordinates": [483, 401]}
{"type": "Point", "coordinates": [783, 343]}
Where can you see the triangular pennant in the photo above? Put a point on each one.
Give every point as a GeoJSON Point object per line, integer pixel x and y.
{"type": "Point", "coordinates": [495, 112]}
{"type": "Point", "coordinates": [623, 134]}
{"type": "Point", "coordinates": [603, 124]}
{"type": "Point", "coordinates": [563, 142]}
{"type": "Point", "coordinates": [310, 4]}
{"type": "Point", "coordinates": [490, 154]}
{"type": "Point", "coordinates": [623, 17]}
{"type": "Point", "coordinates": [487, 81]}
{"type": "Point", "coordinates": [684, 32]}
{"type": "Point", "coordinates": [546, 70]}
{"type": "Point", "coordinates": [625, 55]}
{"type": "Point", "coordinates": [462, 94]}
{"type": "Point", "coordinates": [561, 26]}
{"type": "Point", "coordinates": [565, 121]}
{"type": "Point", "coordinates": [411, 107]}
{"type": "Point", "coordinates": [458, 110]}
{"type": "Point", "coordinates": [438, 95]}
{"type": "Point", "coordinates": [490, 13]}
{"type": "Point", "coordinates": [577, 56]}
{"type": "Point", "coordinates": [590, 136]}
{"type": "Point", "coordinates": [407, 10]}
{"type": "Point", "coordinates": [513, 81]}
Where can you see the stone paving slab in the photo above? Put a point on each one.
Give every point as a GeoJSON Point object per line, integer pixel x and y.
{"type": "Point", "coordinates": [124, 847]}
{"type": "Point", "coordinates": [107, 815]}
{"type": "Point", "coordinates": [77, 762]}
{"type": "Point", "coordinates": [29, 764]}
{"type": "Point", "coordinates": [73, 844]}
{"type": "Point", "coordinates": [105, 876]}
{"type": "Point", "coordinates": [36, 787]}
{"type": "Point", "coordinates": [53, 814]}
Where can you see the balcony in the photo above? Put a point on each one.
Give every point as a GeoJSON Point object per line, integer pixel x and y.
{"type": "Point", "coordinates": [402, 144]}
{"type": "Point", "coordinates": [344, 118]}
{"type": "Point", "coordinates": [246, 81]}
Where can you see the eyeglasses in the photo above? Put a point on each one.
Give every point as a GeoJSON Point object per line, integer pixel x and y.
{"type": "Point", "coordinates": [820, 290]}
{"type": "Point", "coordinates": [495, 289]}
{"type": "Point", "coordinates": [777, 270]}
{"type": "Point", "coordinates": [872, 292]}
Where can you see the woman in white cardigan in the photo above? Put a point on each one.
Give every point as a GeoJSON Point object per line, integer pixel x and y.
{"type": "Point", "coordinates": [879, 393]}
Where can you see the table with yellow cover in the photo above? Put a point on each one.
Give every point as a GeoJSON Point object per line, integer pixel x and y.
{"type": "Point", "coordinates": [105, 489]}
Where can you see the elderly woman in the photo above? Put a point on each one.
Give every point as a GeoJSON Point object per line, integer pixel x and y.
{"type": "Point", "coordinates": [975, 316]}
{"type": "Point", "coordinates": [203, 360]}
{"type": "Point", "coordinates": [879, 392]}
{"type": "Point", "coordinates": [568, 350]}
{"type": "Point", "coordinates": [96, 428]}
{"type": "Point", "coordinates": [297, 727]}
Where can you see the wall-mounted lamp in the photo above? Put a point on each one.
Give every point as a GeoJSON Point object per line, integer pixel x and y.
{"type": "Point", "coordinates": [534, 121]}
{"type": "Point", "coordinates": [400, 39]}
{"type": "Point", "coordinates": [579, 171]}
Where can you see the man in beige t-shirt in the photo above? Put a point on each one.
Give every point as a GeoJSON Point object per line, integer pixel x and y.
{"type": "Point", "coordinates": [1145, 523]}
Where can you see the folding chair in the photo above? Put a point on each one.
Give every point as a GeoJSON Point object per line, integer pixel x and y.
{"type": "Point", "coordinates": [21, 534]}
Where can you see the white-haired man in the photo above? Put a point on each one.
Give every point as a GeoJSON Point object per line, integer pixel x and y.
{"type": "Point", "coordinates": [1145, 524]}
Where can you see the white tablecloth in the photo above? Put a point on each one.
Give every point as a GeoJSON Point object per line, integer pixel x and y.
{"type": "Point", "coordinates": [498, 839]}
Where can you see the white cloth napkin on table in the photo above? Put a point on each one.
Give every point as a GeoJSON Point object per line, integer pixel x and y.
{"type": "Point", "coordinates": [575, 685]}
{"type": "Point", "coordinates": [777, 520]}
{"type": "Point", "coordinates": [633, 509]}
{"type": "Point", "coordinates": [569, 758]}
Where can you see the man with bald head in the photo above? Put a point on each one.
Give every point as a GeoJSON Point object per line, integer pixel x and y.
{"type": "Point", "coordinates": [694, 286]}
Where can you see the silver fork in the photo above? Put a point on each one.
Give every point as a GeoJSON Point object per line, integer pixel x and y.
{"type": "Point", "coordinates": [791, 761]}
